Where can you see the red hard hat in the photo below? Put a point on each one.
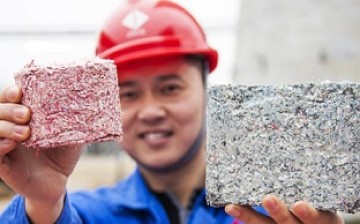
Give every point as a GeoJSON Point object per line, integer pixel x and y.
{"type": "Point", "coordinates": [143, 29]}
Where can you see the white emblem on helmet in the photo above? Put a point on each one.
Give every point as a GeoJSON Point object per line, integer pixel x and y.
{"type": "Point", "coordinates": [134, 21]}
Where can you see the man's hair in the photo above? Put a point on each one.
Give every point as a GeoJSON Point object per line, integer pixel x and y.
{"type": "Point", "coordinates": [201, 63]}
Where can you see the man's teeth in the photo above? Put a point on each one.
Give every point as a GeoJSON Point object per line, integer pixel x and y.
{"type": "Point", "coordinates": [154, 136]}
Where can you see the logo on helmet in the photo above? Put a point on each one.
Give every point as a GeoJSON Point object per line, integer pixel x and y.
{"type": "Point", "coordinates": [134, 22]}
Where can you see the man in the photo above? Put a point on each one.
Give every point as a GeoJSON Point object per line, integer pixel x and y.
{"type": "Point", "coordinates": [163, 60]}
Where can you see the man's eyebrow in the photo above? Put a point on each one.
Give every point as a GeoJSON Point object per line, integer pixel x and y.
{"type": "Point", "coordinates": [166, 77]}
{"type": "Point", "coordinates": [127, 84]}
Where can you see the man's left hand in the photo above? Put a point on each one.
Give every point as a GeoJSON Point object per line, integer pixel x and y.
{"type": "Point", "coordinates": [300, 213]}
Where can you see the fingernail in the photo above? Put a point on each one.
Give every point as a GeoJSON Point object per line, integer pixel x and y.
{"type": "Point", "coordinates": [302, 212]}
{"type": "Point", "coordinates": [21, 130]}
{"type": "Point", "coordinates": [233, 211]}
{"type": "Point", "coordinates": [12, 93]}
{"type": "Point", "coordinates": [271, 205]}
{"type": "Point", "coordinates": [20, 112]}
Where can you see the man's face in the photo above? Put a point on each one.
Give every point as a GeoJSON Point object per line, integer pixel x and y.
{"type": "Point", "coordinates": [163, 106]}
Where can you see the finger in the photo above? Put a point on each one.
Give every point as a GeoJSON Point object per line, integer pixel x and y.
{"type": "Point", "coordinates": [247, 215]}
{"type": "Point", "coordinates": [308, 214]}
{"type": "Point", "coordinates": [13, 131]}
{"type": "Point", "coordinates": [6, 145]}
{"type": "Point", "coordinates": [11, 94]}
{"type": "Point", "coordinates": [15, 113]}
{"type": "Point", "coordinates": [278, 210]}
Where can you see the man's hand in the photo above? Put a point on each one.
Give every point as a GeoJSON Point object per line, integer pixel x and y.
{"type": "Point", "coordinates": [300, 213]}
{"type": "Point", "coordinates": [39, 176]}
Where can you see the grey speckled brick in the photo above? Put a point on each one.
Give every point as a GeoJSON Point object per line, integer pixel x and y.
{"type": "Point", "coordinates": [300, 142]}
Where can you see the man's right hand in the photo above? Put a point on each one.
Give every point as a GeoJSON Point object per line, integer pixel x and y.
{"type": "Point", "coordinates": [39, 176]}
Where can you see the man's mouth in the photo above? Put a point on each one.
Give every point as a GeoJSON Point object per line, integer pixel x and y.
{"type": "Point", "coordinates": [156, 135]}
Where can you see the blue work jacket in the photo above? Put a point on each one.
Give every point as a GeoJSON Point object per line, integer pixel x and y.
{"type": "Point", "coordinates": [129, 201]}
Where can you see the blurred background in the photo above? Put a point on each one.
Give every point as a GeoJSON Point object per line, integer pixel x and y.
{"type": "Point", "coordinates": [259, 42]}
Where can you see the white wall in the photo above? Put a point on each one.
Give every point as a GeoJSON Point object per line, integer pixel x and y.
{"type": "Point", "coordinates": [282, 41]}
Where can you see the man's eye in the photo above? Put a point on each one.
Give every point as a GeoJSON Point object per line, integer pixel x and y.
{"type": "Point", "coordinates": [171, 89]}
{"type": "Point", "coordinates": [128, 95]}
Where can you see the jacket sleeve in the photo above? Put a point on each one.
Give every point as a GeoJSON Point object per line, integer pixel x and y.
{"type": "Point", "coordinates": [15, 213]}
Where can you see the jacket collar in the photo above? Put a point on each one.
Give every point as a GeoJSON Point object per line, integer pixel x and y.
{"type": "Point", "coordinates": [132, 193]}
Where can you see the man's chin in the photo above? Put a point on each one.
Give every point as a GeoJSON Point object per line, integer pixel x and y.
{"type": "Point", "coordinates": [157, 165]}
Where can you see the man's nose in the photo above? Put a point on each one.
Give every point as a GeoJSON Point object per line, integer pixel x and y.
{"type": "Point", "coordinates": [151, 111]}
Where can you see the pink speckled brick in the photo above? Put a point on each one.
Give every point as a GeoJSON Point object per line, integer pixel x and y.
{"type": "Point", "coordinates": [71, 103]}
